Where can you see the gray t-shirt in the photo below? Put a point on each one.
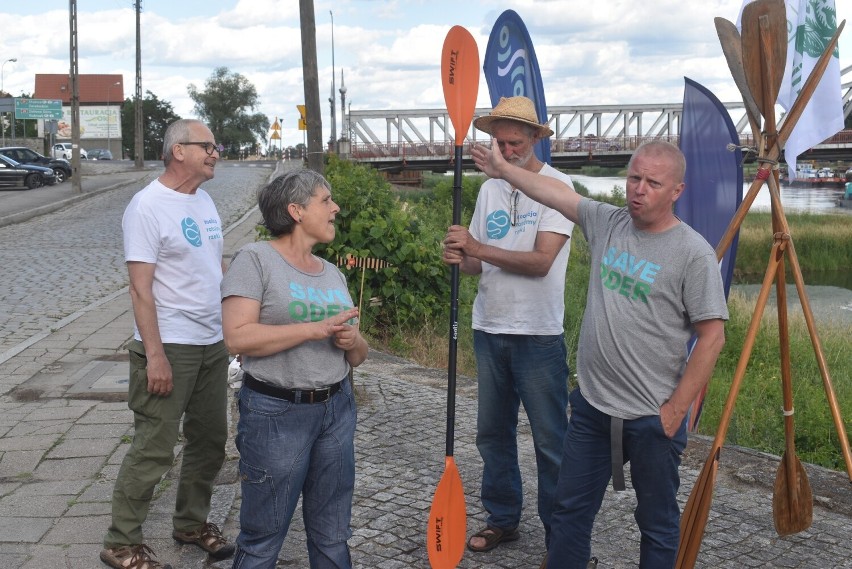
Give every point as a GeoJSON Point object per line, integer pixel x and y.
{"type": "Point", "coordinates": [644, 295]}
{"type": "Point", "coordinates": [288, 296]}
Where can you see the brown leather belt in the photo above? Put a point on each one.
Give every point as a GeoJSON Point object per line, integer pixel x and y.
{"type": "Point", "coordinates": [292, 395]}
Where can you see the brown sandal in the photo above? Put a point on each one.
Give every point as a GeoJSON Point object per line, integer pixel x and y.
{"type": "Point", "coordinates": [131, 557]}
{"type": "Point", "coordinates": [209, 538]}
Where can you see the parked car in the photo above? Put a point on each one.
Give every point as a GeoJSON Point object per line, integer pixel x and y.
{"type": "Point", "coordinates": [24, 155]}
{"type": "Point", "coordinates": [64, 150]}
{"type": "Point", "coordinates": [30, 176]}
{"type": "Point", "coordinates": [100, 154]}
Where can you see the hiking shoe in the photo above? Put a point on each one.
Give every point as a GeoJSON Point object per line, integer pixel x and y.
{"type": "Point", "coordinates": [209, 538]}
{"type": "Point", "coordinates": [131, 557]}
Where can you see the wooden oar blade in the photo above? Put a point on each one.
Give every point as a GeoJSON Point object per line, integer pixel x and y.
{"type": "Point", "coordinates": [695, 513]}
{"type": "Point", "coordinates": [731, 42]}
{"type": "Point", "coordinates": [764, 64]}
{"type": "Point", "coordinates": [460, 78]}
{"type": "Point", "coordinates": [445, 538]}
{"type": "Point", "coordinates": [792, 500]}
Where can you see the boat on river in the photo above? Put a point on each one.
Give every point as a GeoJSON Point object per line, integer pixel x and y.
{"type": "Point", "coordinates": [808, 175]}
{"type": "Point", "coordinates": [844, 203]}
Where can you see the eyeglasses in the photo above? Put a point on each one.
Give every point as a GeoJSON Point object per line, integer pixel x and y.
{"type": "Point", "coordinates": [208, 147]}
{"type": "Point", "coordinates": [513, 206]}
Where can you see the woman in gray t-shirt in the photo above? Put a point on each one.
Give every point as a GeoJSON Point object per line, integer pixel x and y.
{"type": "Point", "coordinates": [289, 315]}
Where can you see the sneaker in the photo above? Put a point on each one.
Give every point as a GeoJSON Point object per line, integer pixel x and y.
{"type": "Point", "coordinates": [209, 538]}
{"type": "Point", "coordinates": [131, 557]}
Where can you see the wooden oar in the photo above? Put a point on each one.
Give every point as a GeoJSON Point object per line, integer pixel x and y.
{"type": "Point", "coordinates": [697, 509]}
{"type": "Point", "coordinates": [448, 518]}
{"type": "Point", "coordinates": [731, 42]}
{"type": "Point", "coordinates": [792, 498]}
{"type": "Point", "coordinates": [764, 50]}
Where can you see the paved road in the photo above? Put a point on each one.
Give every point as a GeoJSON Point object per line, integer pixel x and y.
{"type": "Point", "coordinates": [79, 256]}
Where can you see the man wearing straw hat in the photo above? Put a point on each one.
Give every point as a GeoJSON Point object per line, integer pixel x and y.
{"type": "Point", "coordinates": [519, 248]}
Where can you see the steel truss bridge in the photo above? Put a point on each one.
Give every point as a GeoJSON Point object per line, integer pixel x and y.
{"type": "Point", "coordinates": [605, 135]}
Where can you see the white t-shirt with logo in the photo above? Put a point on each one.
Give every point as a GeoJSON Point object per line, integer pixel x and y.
{"type": "Point", "coordinates": [182, 235]}
{"type": "Point", "coordinates": [511, 303]}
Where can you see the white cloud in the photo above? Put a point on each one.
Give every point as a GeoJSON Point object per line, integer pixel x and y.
{"type": "Point", "coordinates": [608, 52]}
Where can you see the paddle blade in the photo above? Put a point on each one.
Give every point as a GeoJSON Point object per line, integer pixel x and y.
{"type": "Point", "coordinates": [460, 77]}
{"type": "Point", "coordinates": [792, 498]}
{"type": "Point", "coordinates": [729, 38]}
{"type": "Point", "coordinates": [764, 64]}
{"type": "Point", "coordinates": [695, 513]}
{"type": "Point", "coordinates": [447, 520]}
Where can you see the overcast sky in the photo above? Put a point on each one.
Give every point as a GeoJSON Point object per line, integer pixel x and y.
{"type": "Point", "coordinates": [604, 52]}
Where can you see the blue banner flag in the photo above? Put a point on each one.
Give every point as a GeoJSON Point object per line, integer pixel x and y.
{"type": "Point", "coordinates": [714, 181]}
{"type": "Point", "coordinates": [511, 70]}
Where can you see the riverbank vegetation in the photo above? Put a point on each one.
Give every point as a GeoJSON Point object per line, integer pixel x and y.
{"type": "Point", "coordinates": [406, 305]}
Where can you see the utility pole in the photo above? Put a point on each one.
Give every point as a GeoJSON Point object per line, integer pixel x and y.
{"type": "Point", "coordinates": [139, 143]}
{"type": "Point", "coordinates": [311, 80]}
{"type": "Point", "coordinates": [75, 102]}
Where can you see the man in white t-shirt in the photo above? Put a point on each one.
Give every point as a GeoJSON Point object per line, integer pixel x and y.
{"type": "Point", "coordinates": [178, 360]}
{"type": "Point", "coordinates": [519, 248]}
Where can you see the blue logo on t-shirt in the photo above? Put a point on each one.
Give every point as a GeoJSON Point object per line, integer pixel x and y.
{"type": "Point", "coordinates": [191, 231]}
{"type": "Point", "coordinates": [497, 224]}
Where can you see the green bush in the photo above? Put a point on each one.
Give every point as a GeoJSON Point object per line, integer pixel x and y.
{"type": "Point", "coordinates": [373, 224]}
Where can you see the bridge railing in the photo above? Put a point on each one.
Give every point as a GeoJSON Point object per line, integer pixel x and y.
{"type": "Point", "coordinates": [572, 146]}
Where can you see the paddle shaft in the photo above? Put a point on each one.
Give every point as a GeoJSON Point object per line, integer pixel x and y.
{"type": "Point", "coordinates": [452, 361]}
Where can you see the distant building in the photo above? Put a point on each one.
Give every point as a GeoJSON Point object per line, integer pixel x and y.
{"type": "Point", "coordinates": [100, 98]}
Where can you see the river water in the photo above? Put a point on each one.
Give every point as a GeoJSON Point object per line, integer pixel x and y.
{"type": "Point", "coordinates": [819, 200]}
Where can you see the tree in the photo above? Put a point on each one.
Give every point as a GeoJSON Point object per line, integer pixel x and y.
{"type": "Point", "coordinates": [158, 115]}
{"type": "Point", "coordinates": [224, 106]}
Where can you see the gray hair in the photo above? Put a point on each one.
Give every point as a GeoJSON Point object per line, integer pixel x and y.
{"type": "Point", "coordinates": [292, 187]}
{"type": "Point", "coordinates": [663, 148]}
{"type": "Point", "coordinates": [176, 132]}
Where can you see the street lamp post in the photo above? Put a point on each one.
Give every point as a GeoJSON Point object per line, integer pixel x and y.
{"type": "Point", "coordinates": [344, 130]}
{"type": "Point", "coordinates": [2, 70]}
{"type": "Point", "coordinates": [109, 115]}
{"type": "Point", "coordinates": [333, 97]}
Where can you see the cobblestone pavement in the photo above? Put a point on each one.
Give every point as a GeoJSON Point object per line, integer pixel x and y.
{"type": "Point", "coordinates": [62, 440]}
{"type": "Point", "coordinates": [79, 256]}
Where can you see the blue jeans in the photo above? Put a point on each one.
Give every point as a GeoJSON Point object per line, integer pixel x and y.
{"type": "Point", "coordinates": [515, 369]}
{"type": "Point", "coordinates": [586, 470]}
{"type": "Point", "coordinates": [288, 450]}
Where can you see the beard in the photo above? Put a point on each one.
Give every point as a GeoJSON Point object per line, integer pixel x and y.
{"type": "Point", "coordinates": [522, 161]}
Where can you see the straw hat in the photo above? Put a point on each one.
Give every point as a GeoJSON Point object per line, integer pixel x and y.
{"type": "Point", "coordinates": [518, 109]}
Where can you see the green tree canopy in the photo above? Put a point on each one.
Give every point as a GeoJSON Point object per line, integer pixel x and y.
{"type": "Point", "coordinates": [224, 106]}
{"type": "Point", "coordinates": [157, 115]}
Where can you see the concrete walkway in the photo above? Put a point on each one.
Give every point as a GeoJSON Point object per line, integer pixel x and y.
{"type": "Point", "coordinates": [64, 428]}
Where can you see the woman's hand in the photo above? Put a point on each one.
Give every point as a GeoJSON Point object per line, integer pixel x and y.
{"type": "Point", "coordinates": [347, 337]}
{"type": "Point", "coordinates": [339, 323]}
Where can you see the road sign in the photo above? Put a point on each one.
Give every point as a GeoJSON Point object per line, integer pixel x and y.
{"type": "Point", "coordinates": [303, 120]}
{"type": "Point", "coordinates": [38, 108]}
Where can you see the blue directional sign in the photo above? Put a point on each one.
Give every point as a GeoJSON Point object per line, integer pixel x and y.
{"type": "Point", "coordinates": [38, 108]}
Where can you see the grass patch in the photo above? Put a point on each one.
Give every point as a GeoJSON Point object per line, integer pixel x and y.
{"type": "Point", "coordinates": [823, 242]}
